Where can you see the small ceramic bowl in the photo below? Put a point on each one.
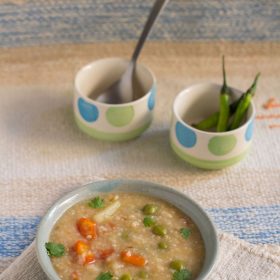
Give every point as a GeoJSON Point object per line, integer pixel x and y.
{"type": "Point", "coordinates": [113, 122]}
{"type": "Point", "coordinates": [207, 150]}
{"type": "Point", "coordinates": [181, 201]}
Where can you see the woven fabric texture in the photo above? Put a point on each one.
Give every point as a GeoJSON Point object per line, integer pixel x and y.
{"type": "Point", "coordinates": [251, 262]}
{"type": "Point", "coordinates": [44, 155]}
{"type": "Point", "coordinates": [65, 21]}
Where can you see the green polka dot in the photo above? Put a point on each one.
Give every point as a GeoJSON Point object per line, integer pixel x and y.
{"type": "Point", "coordinates": [222, 145]}
{"type": "Point", "coordinates": [120, 116]}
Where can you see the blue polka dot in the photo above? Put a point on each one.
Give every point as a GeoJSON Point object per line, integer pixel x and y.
{"type": "Point", "coordinates": [152, 99]}
{"type": "Point", "coordinates": [249, 131]}
{"type": "Point", "coordinates": [185, 135]}
{"type": "Point", "coordinates": [88, 111]}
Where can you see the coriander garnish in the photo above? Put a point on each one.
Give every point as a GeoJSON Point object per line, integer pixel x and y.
{"type": "Point", "coordinates": [96, 202]}
{"type": "Point", "coordinates": [182, 274]}
{"type": "Point", "coordinates": [185, 232]}
{"type": "Point", "coordinates": [55, 249]}
{"type": "Point", "coordinates": [104, 276]}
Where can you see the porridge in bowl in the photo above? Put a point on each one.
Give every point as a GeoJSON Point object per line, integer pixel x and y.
{"type": "Point", "coordinates": [125, 236]}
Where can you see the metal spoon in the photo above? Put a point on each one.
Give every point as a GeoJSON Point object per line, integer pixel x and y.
{"type": "Point", "coordinates": [122, 90]}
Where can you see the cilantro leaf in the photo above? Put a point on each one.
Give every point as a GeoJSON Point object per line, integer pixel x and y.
{"type": "Point", "coordinates": [97, 202]}
{"type": "Point", "coordinates": [185, 232]}
{"type": "Point", "coordinates": [104, 276]}
{"type": "Point", "coordinates": [55, 249]}
{"type": "Point", "coordinates": [182, 274]}
{"type": "Point", "coordinates": [148, 221]}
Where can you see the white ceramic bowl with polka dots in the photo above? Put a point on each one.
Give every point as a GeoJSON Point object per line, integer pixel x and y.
{"type": "Point", "coordinates": [207, 150]}
{"type": "Point", "coordinates": [113, 122]}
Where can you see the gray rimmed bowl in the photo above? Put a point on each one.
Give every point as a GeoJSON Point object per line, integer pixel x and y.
{"type": "Point", "coordinates": [176, 198]}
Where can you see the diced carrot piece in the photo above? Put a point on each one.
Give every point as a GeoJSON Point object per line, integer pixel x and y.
{"type": "Point", "coordinates": [75, 276]}
{"type": "Point", "coordinates": [104, 254]}
{"type": "Point", "coordinates": [87, 228]}
{"type": "Point", "coordinates": [134, 259]}
{"type": "Point", "coordinates": [83, 253]}
{"type": "Point", "coordinates": [89, 258]}
{"type": "Point", "coordinates": [81, 247]}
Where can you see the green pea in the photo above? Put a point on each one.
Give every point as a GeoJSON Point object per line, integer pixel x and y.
{"type": "Point", "coordinates": [148, 221]}
{"type": "Point", "coordinates": [125, 235]}
{"type": "Point", "coordinates": [159, 230]}
{"type": "Point", "coordinates": [177, 265]}
{"type": "Point", "coordinates": [162, 245]}
{"type": "Point", "coordinates": [142, 274]}
{"type": "Point", "coordinates": [149, 209]}
{"type": "Point", "coordinates": [126, 277]}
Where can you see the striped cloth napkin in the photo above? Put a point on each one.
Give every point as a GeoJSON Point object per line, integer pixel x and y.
{"type": "Point", "coordinates": [237, 260]}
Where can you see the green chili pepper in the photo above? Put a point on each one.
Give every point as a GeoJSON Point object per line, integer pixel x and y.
{"type": "Point", "coordinates": [207, 123]}
{"type": "Point", "coordinates": [244, 104]}
{"type": "Point", "coordinates": [212, 120]}
{"type": "Point", "coordinates": [224, 104]}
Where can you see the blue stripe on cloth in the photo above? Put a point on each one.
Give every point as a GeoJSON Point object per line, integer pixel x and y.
{"type": "Point", "coordinates": [16, 234]}
{"type": "Point", "coordinates": [65, 21]}
{"type": "Point", "coordinates": [258, 224]}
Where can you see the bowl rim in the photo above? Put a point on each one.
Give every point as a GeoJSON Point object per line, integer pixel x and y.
{"type": "Point", "coordinates": [50, 271]}
{"type": "Point", "coordinates": [98, 103]}
{"type": "Point", "coordinates": [230, 132]}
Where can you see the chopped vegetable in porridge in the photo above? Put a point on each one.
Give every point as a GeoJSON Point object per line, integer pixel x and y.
{"type": "Point", "coordinates": [125, 236]}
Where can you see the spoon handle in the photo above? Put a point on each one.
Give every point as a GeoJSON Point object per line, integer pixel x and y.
{"type": "Point", "coordinates": [158, 6]}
